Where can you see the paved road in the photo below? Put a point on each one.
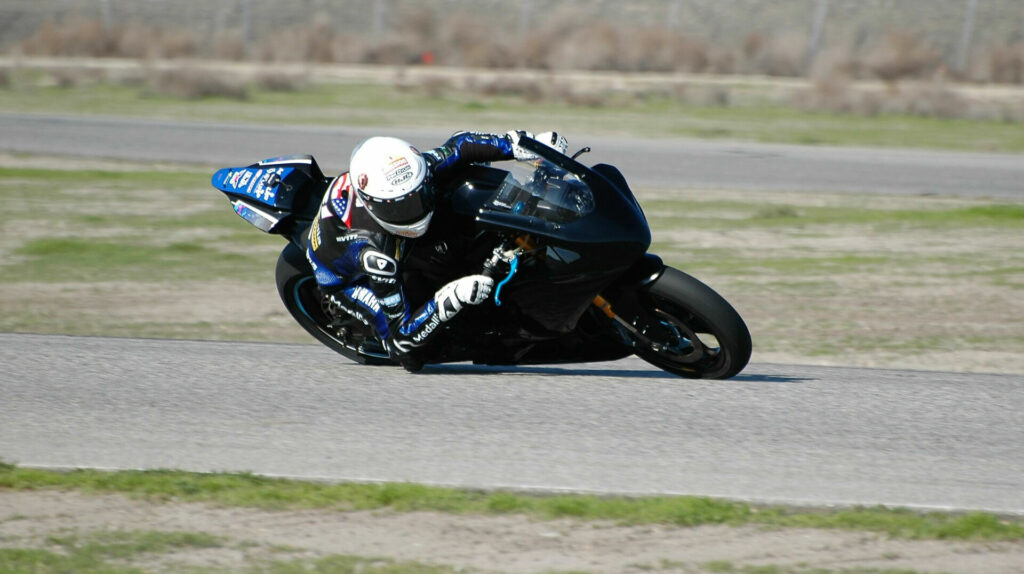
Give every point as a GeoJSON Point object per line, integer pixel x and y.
{"type": "Point", "coordinates": [776, 433]}
{"type": "Point", "coordinates": [673, 163]}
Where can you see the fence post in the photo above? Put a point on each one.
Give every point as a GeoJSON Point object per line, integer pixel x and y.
{"type": "Point", "coordinates": [820, 13]}
{"type": "Point", "coordinates": [964, 51]}
{"type": "Point", "coordinates": [107, 13]}
{"type": "Point", "coordinates": [246, 23]}
{"type": "Point", "coordinates": [378, 19]}
{"type": "Point", "coordinates": [672, 21]}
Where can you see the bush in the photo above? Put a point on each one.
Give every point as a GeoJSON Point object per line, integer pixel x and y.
{"type": "Point", "coordinates": [1006, 64]}
{"type": "Point", "coordinates": [568, 37]}
{"type": "Point", "coordinates": [903, 55]}
{"type": "Point", "coordinates": [194, 83]}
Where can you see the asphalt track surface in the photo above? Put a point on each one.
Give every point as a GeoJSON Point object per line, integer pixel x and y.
{"type": "Point", "coordinates": [666, 163]}
{"type": "Point", "coordinates": [776, 433]}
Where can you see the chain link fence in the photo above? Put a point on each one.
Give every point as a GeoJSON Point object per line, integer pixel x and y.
{"type": "Point", "coordinates": [981, 40]}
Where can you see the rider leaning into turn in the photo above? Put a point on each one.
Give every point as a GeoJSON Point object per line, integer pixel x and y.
{"type": "Point", "coordinates": [358, 239]}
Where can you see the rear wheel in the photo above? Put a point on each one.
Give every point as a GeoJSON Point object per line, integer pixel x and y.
{"type": "Point", "coordinates": [690, 330]}
{"type": "Point", "coordinates": [306, 304]}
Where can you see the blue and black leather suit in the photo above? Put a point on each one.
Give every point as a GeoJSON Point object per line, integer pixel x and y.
{"type": "Point", "coordinates": [359, 264]}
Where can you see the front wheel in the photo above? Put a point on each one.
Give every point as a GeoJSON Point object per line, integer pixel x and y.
{"type": "Point", "coordinates": [690, 330]}
{"type": "Point", "coordinates": [304, 301]}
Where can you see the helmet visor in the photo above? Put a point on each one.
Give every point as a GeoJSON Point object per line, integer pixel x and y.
{"type": "Point", "coordinates": [407, 209]}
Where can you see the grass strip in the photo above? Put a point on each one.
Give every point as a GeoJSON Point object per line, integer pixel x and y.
{"type": "Point", "coordinates": [391, 106]}
{"type": "Point", "coordinates": [249, 490]}
{"type": "Point", "coordinates": [725, 567]}
{"type": "Point", "coordinates": [117, 552]}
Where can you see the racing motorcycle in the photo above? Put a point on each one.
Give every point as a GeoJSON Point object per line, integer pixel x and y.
{"type": "Point", "coordinates": [566, 244]}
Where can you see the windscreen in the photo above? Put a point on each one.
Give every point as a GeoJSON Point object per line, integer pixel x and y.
{"type": "Point", "coordinates": [542, 190]}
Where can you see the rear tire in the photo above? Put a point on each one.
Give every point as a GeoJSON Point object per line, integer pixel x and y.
{"type": "Point", "coordinates": [699, 335]}
{"type": "Point", "coordinates": [301, 295]}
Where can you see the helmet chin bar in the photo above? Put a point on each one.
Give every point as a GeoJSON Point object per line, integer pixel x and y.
{"type": "Point", "coordinates": [410, 230]}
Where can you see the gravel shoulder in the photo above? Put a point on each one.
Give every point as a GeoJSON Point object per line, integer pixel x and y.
{"type": "Point", "coordinates": [480, 543]}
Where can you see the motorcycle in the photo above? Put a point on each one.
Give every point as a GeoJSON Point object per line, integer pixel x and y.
{"type": "Point", "coordinates": [567, 245]}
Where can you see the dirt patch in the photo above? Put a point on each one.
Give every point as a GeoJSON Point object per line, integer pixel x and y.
{"type": "Point", "coordinates": [501, 543]}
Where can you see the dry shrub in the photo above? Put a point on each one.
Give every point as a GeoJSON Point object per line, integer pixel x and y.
{"type": "Point", "coordinates": [307, 43]}
{"type": "Point", "coordinates": [934, 99]}
{"type": "Point", "coordinates": [194, 84]}
{"type": "Point", "coordinates": [835, 93]}
{"type": "Point", "coordinates": [595, 46]}
{"type": "Point", "coordinates": [434, 86]}
{"type": "Point", "coordinates": [319, 43]}
{"type": "Point", "coordinates": [1006, 64]}
{"type": "Point", "coordinates": [5, 78]}
{"type": "Point", "coordinates": [179, 44]}
{"type": "Point", "coordinates": [136, 40]}
{"type": "Point", "coordinates": [421, 24]}
{"type": "Point", "coordinates": [466, 40]}
{"type": "Point", "coordinates": [280, 81]}
{"type": "Point", "coordinates": [141, 41]}
{"type": "Point", "coordinates": [76, 37]}
{"type": "Point", "coordinates": [528, 89]}
{"type": "Point", "coordinates": [229, 47]}
{"type": "Point", "coordinates": [73, 77]}
{"type": "Point", "coordinates": [393, 52]}
{"type": "Point", "coordinates": [89, 38]}
{"type": "Point", "coordinates": [903, 55]}
{"type": "Point", "coordinates": [691, 56]}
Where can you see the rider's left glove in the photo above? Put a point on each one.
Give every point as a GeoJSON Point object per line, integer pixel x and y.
{"type": "Point", "coordinates": [468, 290]}
{"type": "Point", "coordinates": [518, 152]}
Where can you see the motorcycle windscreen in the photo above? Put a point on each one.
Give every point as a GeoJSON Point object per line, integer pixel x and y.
{"type": "Point", "coordinates": [566, 208]}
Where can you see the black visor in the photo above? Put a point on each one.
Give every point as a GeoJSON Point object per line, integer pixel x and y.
{"type": "Point", "coordinates": [405, 210]}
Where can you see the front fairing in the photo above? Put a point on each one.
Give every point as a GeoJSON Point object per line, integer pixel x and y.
{"type": "Point", "coordinates": [558, 201]}
{"type": "Point", "coordinates": [584, 231]}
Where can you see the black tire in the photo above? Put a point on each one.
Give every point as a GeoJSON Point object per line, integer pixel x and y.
{"type": "Point", "coordinates": [699, 334]}
{"type": "Point", "coordinates": [301, 296]}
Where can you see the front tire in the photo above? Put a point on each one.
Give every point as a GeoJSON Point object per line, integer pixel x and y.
{"type": "Point", "coordinates": [302, 297]}
{"type": "Point", "coordinates": [695, 332]}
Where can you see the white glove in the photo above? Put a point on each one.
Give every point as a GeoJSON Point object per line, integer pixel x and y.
{"type": "Point", "coordinates": [518, 152]}
{"type": "Point", "coordinates": [468, 290]}
{"type": "Point", "coordinates": [553, 140]}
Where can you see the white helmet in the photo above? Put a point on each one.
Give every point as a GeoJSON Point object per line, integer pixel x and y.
{"type": "Point", "coordinates": [390, 177]}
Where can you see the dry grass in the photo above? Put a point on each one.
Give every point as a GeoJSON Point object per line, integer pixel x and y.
{"type": "Point", "coordinates": [191, 83]}
{"type": "Point", "coordinates": [914, 73]}
{"type": "Point", "coordinates": [568, 38]}
{"type": "Point", "coordinates": [1006, 64]}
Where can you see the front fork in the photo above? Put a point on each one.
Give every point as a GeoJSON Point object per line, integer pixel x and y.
{"type": "Point", "coordinates": [510, 256]}
{"type": "Point", "coordinates": [636, 336]}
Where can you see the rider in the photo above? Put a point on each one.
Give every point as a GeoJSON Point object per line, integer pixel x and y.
{"type": "Point", "coordinates": [359, 238]}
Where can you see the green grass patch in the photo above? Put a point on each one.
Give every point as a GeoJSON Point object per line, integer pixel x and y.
{"type": "Point", "coordinates": [136, 179]}
{"type": "Point", "coordinates": [103, 552]}
{"type": "Point", "coordinates": [115, 552]}
{"type": "Point", "coordinates": [120, 225]}
{"type": "Point", "coordinates": [388, 106]}
{"type": "Point", "coordinates": [250, 490]}
{"type": "Point", "coordinates": [343, 564]}
{"type": "Point", "coordinates": [668, 214]}
{"type": "Point", "coordinates": [74, 260]}
{"type": "Point", "coordinates": [726, 567]}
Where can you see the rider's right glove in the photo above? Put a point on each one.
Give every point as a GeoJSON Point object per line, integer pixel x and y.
{"type": "Point", "coordinates": [468, 290]}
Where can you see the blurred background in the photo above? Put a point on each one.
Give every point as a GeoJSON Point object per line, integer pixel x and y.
{"type": "Point", "coordinates": [860, 56]}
